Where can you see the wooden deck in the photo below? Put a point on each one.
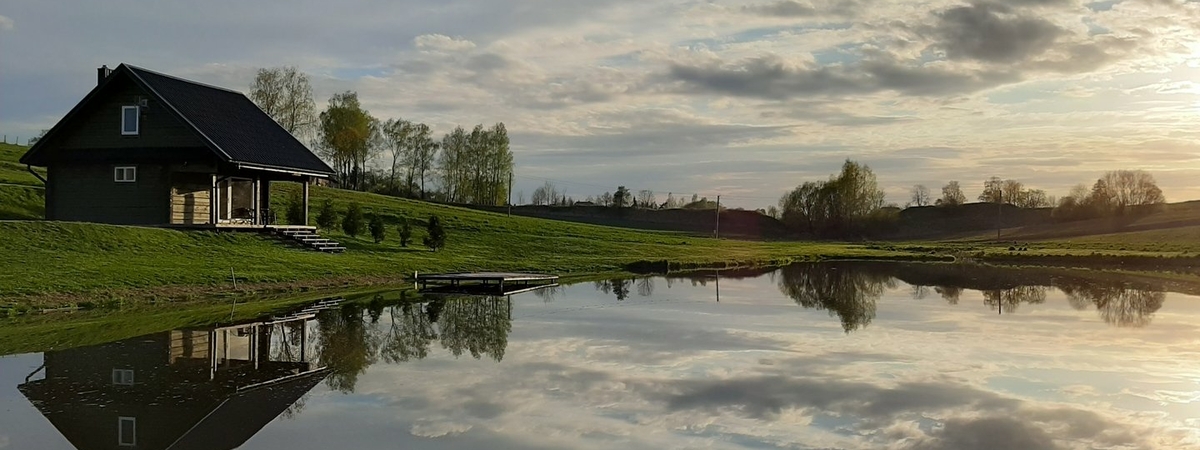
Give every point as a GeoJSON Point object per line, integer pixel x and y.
{"type": "Point", "coordinates": [484, 283]}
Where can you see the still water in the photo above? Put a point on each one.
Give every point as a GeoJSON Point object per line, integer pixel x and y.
{"type": "Point", "coordinates": [841, 355]}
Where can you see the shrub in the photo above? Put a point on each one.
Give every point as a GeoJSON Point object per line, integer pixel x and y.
{"type": "Point", "coordinates": [352, 224]}
{"type": "Point", "coordinates": [378, 230]}
{"type": "Point", "coordinates": [435, 237]}
{"type": "Point", "coordinates": [295, 210]}
{"type": "Point", "coordinates": [405, 232]}
{"type": "Point", "coordinates": [327, 218]}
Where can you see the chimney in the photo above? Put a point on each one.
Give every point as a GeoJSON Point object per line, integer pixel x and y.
{"type": "Point", "coordinates": [102, 73]}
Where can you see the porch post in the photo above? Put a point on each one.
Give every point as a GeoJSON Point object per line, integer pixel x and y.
{"type": "Point", "coordinates": [304, 190]}
{"type": "Point", "coordinates": [254, 202]}
{"type": "Point", "coordinates": [228, 198]}
{"type": "Point", "coordinates": [264, 200]}
{"type": "Point", "coordinates": [214, 202]}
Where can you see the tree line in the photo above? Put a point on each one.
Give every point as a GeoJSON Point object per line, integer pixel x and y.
{"type": "Point", "coordinates": [851, 202]}
{"type": "Point", "coordinates": [466, 167]}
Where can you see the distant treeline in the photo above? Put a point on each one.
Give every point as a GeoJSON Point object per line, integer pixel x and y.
{"type": "Point", "coordinates": [466, 167]}
{"type": "Point", "coordinates": [851, 203]}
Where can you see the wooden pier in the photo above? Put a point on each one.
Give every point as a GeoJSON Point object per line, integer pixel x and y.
{"type": "Point", "coordinates": [484, 283]}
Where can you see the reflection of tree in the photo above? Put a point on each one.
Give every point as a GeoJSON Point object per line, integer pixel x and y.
{"type": "Point", "coordinates": [949, 293]}
{"type": "Point", "coordinates": [476, 325]}
{"type": "Point", "coordinates": [645, 287]}
{"type": "Point", "coordinates": [842, 289]}
{"type": "Point", "coordinates": [617, 287]}
{"type": "Point", "coordinates": [409, 336]}
{"type": "Point", "coordinates": [1007, 300]}
{"type": "Point", "coordinates": [1118, 304]}
{"type": "Point", "coordinates": [345, 345]}
{"type": "Point", "coordinates": [549, 293]}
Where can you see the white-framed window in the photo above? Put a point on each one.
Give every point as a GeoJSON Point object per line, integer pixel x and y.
{"type": "Point", "coordinates": [125, 174]}
{"type": "Point", "coordinates": [127, 431]}
{"type": "Point", "coordinates": [122, 377]}
{"type": "Point", "coordinates": [130, 116]}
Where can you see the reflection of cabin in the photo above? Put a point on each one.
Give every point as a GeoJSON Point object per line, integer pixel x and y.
{"type": "Point", "coordinates": [144, 148]}
{"type": "Point", "coordinates": [182, 389]}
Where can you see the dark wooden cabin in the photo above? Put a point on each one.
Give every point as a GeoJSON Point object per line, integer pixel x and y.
{"type": "Point", "coordinates": [145, 148]}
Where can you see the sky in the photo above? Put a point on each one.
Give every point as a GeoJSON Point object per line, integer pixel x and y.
{"type": "Point", "coordinates": [745, 99]}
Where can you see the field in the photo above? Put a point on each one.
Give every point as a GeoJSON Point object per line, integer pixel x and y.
{"type": "Point", "coordinates": [52, 264]}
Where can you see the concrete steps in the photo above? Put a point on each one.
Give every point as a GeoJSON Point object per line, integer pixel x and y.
{"type": "Point", "coordinates": [307, 237]}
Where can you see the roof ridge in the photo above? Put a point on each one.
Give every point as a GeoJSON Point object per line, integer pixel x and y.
{"type": "Point", "coordinates": [185, 80]}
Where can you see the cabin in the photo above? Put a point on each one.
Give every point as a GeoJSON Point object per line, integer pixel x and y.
{"type": "Point", "coordinates": [146, 148]}
{"type": "Point", "coordinates": [200, 388]}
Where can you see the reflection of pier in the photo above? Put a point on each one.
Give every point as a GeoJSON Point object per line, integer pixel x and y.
{"type": "Point", "coordinates": [484, 283]}
{"type": "Point", "coordinates": [206, 388]}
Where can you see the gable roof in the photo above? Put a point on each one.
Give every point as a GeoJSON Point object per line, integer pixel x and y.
{"type": "Point", "coordinates": [230, 125]}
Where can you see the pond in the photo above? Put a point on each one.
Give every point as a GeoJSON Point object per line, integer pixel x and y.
{"type": "Point", "coordinates": [832, 355]}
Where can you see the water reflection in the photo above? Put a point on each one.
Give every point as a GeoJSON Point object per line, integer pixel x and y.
{"type": "Point", "coordinates": [850, 290]}
{"type": "Point", "coordinates": [189, 388]}
{"type": "Point", "coordinates": [844, 290]}
{"type": "Point", "coordinates": [351, 339]}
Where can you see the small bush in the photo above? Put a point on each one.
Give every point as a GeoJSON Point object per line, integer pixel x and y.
{"type": "Point", "coordinates": [405, 232]}
{"type": "Point", "coordinates": [435, 237]}
{"type": "Point", "coordinates": [328, 217]}
{"type": "Point", "coordinates": [352, 224]}
{"type": "Point", "coordinates": [295, 210]}
{"type": "Point", "coordinates": [378, 230]}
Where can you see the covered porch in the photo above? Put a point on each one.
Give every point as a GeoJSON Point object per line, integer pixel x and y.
{"type": "Point", "coordinates": [231, 199]}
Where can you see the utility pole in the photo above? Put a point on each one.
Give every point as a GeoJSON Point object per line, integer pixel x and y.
{"type": "Point", "coordinates": [718, 216]}
{"type": "Point", "coordinates": [510, 177]}
{"type": "Point", "coordinates": [999, 209]}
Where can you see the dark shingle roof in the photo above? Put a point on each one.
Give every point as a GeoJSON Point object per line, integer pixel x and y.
{"type": "Point", "coordinates": [233, 125]}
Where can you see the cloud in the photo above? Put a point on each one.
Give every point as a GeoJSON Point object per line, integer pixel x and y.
{"type": "Point", "coordinates": [794, 8]}
{"type": "Point", "coordinates": [988, 433]}
{"type": "Point", "coordinates": [993, 33]}
{"type": "Point", "coordinates": [441, 42]}
{"type": "Point", "coordinates": [773, 77]}
{"type": "Point", "coordinates": [6, 23]}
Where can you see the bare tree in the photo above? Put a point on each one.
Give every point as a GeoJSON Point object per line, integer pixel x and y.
{"type": "Point", "coordinates": [395, 134]}
{"type": "Point", "coordinates": [645, 199]}
{"type": "Point", "coordinates": [920, 195]}
{"type": "Point", "coordinates": [547, 194]}
{"type": "Point", "coordinates": [1128, 188]}
{"type": "Point", "coordinates": [993, 190]}
{"type": "Point", "coordinates": [285, 94]}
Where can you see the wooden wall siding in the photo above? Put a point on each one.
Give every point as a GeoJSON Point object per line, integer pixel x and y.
{"type": "Point", "coordinates": [190, 198]}
{"type": "Point", "coordinates": [89, 194]}
{"type": "Point", "coordinates": [99, 126]}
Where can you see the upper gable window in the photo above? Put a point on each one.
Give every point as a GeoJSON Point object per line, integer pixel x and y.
{"type": "Point", "coordinates": [129, 120]}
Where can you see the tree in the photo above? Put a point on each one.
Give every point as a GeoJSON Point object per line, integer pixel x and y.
{"type": "Point", "coordinates": [295, 210]}
{"type": "Point", "coordinates": [1130, 188]}
{"type": "Point", "coordinates": [847, 203]}
{"type": "Point", "coordinates": [952, 195]}
{"type": "Point", "coordinates": [546, 194]}
{"type": "Point", "coordinates": [476, 166]}
{"type": "Point", "coordinates": [435, 235]}
{"type": "Point", "coordinates": [621, 198]}
{"type": "Point", "coordinates": [349, 137]}
{"type": "Point", "coordinates": [920, 195]}
{"type": "Point", "coordinates": [327, 217]}
{"type": "Point", "coordinates": [352, 223]}
{"type": "Point", "coordinates": [645, 198]}
{"type": "Point", "coordinates": [396, 134]}
{"type": "Point", "coordinates": [993, 190]}
{"type": "Point", "coordinates": [285, 94]}
{"type": "Point", "coordinates": [606, 199]}
{"type": "Point", "coordinates": [404, 231]}
{"type": "Point", "coordinates": [423, 153]}
{"type": "Point", "coordinates": [378, 230]}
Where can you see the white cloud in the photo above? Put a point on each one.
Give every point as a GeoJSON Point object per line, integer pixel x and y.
{"type": "Point", "coordinates": [441, 42]}
{"type": "Point", "coordinates": [6, 23]}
